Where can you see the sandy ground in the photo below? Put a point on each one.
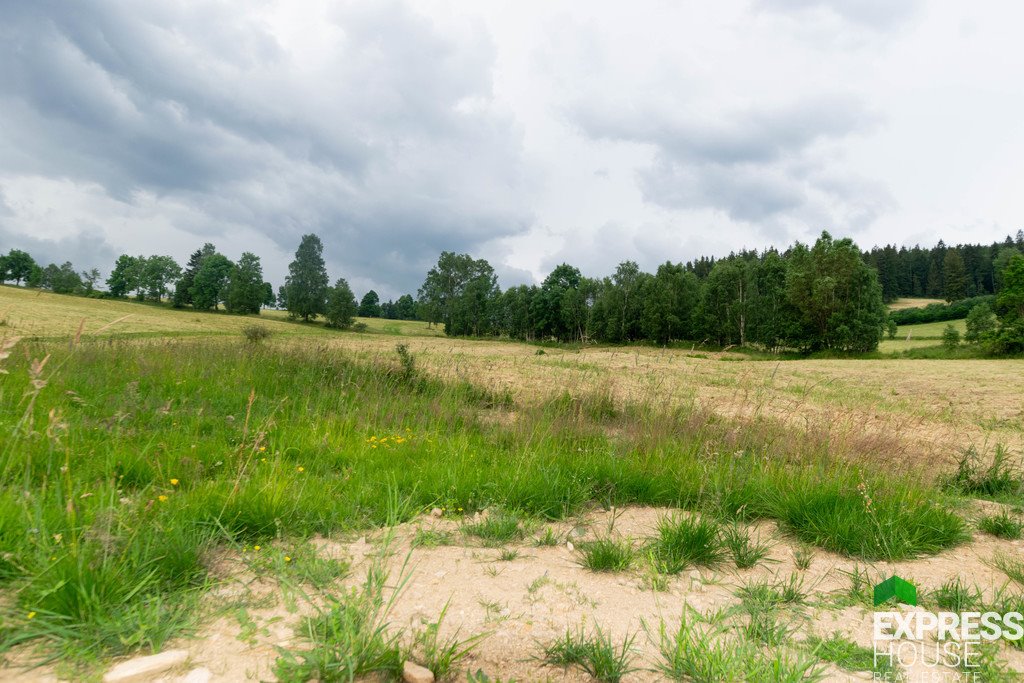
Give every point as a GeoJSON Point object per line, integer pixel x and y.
{"type": "Point", "coordinates": [531, 600]}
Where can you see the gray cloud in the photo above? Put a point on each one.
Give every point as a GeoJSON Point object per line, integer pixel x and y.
{"type": "Point", "coordinates": [879, 14]}
{"type": "Point", "coordinates": [388, 143]}
{"type": "Point", "coordinates": [755, 164]}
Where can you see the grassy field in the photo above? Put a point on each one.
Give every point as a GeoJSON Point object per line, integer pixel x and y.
{"type": "Point", "coordinates": [911, 302]}
{"type": "Point", "coordinates": [160, 457]}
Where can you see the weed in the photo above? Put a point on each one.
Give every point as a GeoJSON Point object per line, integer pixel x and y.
{"type": "Point", "coordinates": [803, 555]}
{"type": "Point", "coordinates": [431, 538]}
{"type": "Point", "coordinates": [848, 655]}
{"type": "Point", "coordinates": [508, 554]}
{"type": "Point", "coordinates": [255, 333]}
{"type": "Point", "coordinates": [442, 655]}
{"type": "Point", "coordinates": [350, 636]}
{"type": "Point", "coordinates": [685, 541]}
{"type": "Point", "coordinates": [1002, 479]}
{"type": "Point", "coordinates": [956, 596]}
{"type": "Point", "coordinates": [697, 652]}
{"type": "Point", "coordinates": [765, 595]}
{"type": "Point", "coordinates": [745, 553]}
{"type": "Point", "coordinates": [1002, 526]}
{"type": "Point", "coordinates": [606, 554]}
{"type": "Point", "coordinates": [1013, 567]}
{"type": "Point", "coordinates": [495, 529]}
{"type": "Point", "coordinates": [596, 654]}
{"type": "Point", "coordinates": [547, 539]}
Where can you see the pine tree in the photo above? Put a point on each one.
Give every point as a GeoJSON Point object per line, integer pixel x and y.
{"type": "Point", "coordinates": [306, 284]}
{"type": "Point", "coordinates": [954, 277]}
{"type": "Point", "coordinates": [341, 305]}
{"type": "Point", "coordinates": [183, 290]}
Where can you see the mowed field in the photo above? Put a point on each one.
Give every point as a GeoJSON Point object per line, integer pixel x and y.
{"type": "Point", "coordinates": [328, 505]}
{"type": "Point", "coordinates": [904, 411]}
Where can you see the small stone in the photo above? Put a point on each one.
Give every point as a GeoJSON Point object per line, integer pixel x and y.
{"type": "Point", "coordinates": [436, 512]}
{"type": "Point", "coordinates": [570, 546]}
{"type": "Point", "coordinates": [695, 575]}
{"type": "Point", "coordinates": [200, 675]}
{"type": "Point", "coordinates": [145, 668]}
{"type": "Point", "coordinates": [414, 673]}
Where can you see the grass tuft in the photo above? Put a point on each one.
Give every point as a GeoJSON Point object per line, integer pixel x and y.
{"type": "Point", "coordinates": [745, 552]}
{"type": "Point", "coordinates": [496, 529]}
{"type": "Point", "coordinates": [594, 653]}
{"type": "Point", "coordinates": [1002, 525]}
{"type": "Point", "coordinates": [606, 554]}
{"type": "Point", "coordinates": [685, 542]}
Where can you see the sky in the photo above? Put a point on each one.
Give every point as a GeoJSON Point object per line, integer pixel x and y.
{"type": "Point", "coordinates": [528, 133]}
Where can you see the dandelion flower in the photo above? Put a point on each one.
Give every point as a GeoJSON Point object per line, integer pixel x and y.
{"type": "Point", "coordinates": [300, 468]}
{"type": "Point", "coordinates": [287, 559]}
{"type": "Point", "coordinates": [31, 615]}
{"type": "Point", "coordinates": [256, 548]}
{"type": "Point", "coordinates": [174, 482]}
{"type": "Point", "coordinates": [262, 448]}
{"type": "Point", "coordinates": [161, 498]}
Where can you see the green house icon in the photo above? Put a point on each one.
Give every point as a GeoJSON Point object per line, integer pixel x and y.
{"type": "Point", "coordinates": [895, 587]}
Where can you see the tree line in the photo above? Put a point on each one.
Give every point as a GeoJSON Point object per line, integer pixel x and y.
{"type": "Point", "coordinates": [807, 298]}
{"type": "Point", "coordinates": [943, 272]}
{"type": "Point", "coordinates": [829, 296]}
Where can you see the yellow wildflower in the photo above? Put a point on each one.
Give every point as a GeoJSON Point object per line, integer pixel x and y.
{"type": "Point", "coordinates": [262, 448]}
{"type": "Point", "coordinates": [161, 498]}
{"type": "Point", "coordinates": [31, 615]}
{"type": "Point", "coordinates": [300, 468]}
{"type": "Point", "coordinates": [174, 482]}
{"type": "Point", "coordinates": [256, 547]}
{"type": "Point", "coordinates": [287, 559]}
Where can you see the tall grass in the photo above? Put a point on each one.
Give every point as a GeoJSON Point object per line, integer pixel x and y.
{"type": "Point", "coordinates": [121, 464]}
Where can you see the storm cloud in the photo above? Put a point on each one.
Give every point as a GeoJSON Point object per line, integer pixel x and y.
{"type": "Point", "coordinates": [528, 136]}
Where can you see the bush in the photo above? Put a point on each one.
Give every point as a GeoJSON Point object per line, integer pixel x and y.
{"type": "Point", "coordinates": [950, 337]}
{"type": "Point", "coordinates": [935, 313]}
{"type": "Point", "coordinates": [255, 333]}
{"type": "Point", "coordinates": [981, 323]}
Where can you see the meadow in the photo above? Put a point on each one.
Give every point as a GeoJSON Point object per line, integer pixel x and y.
{"type": "Point", "coordinates": [325, 504]}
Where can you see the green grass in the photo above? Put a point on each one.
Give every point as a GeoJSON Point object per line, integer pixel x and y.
{"type": "Point", "coordinates": [1002, 525]}
{"type": "Point", "coordinates": [848, 655]}
{"type": "Point", "coordinates": [684, 542]}
{"type": "Point", "coordinates": [745, 552]}
{"type": "Point", "coordinates": [956, 596]}
{"type": "Point", "coordinates": [125, 464]}
{"type": "Point", "coordinates": [496, 529]}
{"type": "Point", "coordinates": [596, 654]}
{"type": "Point", "coordinates": [704, 652]}
{"type": "Point", "coordinates": [349, 637]}
{"type": "Point", "coordinates": [1001, 480]}
{"type": "Point", "coordinates": [606, 554]}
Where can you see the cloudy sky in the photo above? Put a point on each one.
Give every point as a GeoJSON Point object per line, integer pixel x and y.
{"type": "Point", "coordinates": [528, 133]}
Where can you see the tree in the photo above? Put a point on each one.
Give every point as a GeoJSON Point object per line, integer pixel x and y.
{"type": "Point", "coordinates": [156, 274]}
{"type": "Point", "coordinates": [269, 300]}
{"type": "Point", "coordinates": [208, 286]}
{"type": "Point", "coordinates": [341, 305]}
{"type": "Point", "coordinates": [90, 278]}
{"type": "Point", "coordinates": [405, 307]}
{"type": "Point", "coordinates": [245, 291]}
{"type": "Point", "coordinates": [1010, 307]}
{"type": "Point", "coordinates": [836, 295]}
{"type": "Point", "coordinates": [4, 275]}
{"type": "Point", "coordinates": [369, 307]}
{"type": "Point", "coordinates": [306, 284]}
{"type": "Point", "coordinates": [954, 277]}
{"type": "Point", "coordinates": [63, 279]}
{"type": "Point", "coordinates": [669, 303]}
{"type": "Point", "coordinates": [19, 265]}
{"type": "Point", "coordinates": [124, 277]}
{"type": "Point", "coordinates": [981, 323]}
{"type": "Point", "coordinates": [457, 292]}
{"type": "Point", "coordinates": [183, 289]}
